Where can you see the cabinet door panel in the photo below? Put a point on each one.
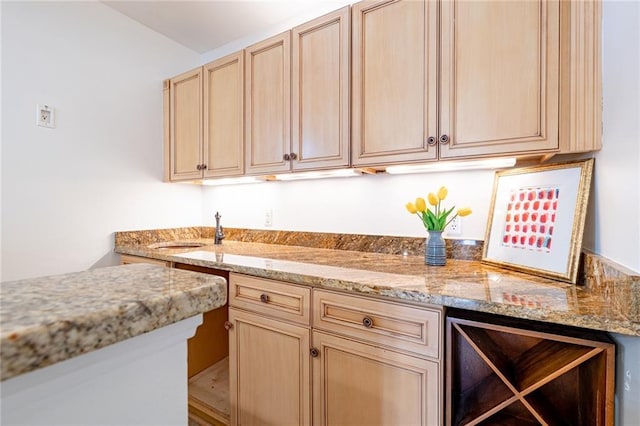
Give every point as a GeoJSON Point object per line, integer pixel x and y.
{"type": "Point", "coordinates": [499, 77]}
{"type": "Point", "coordinates": [394, 81]}
{"type": "Point", "coordinates": [268, 103]}
{"type": "Point", "coordinates": [269, 367]}
{"type": "Point", "coordinates": [185, 95]}
{"type": "Point", "coordinates": [358, 384]}
{"type": "Point", "coordinates": [320, 91]}
{"type": "Point", "coordinates": [224, 116]}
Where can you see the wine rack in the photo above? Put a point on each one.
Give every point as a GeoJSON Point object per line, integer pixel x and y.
{"type": "Point", "coordinates": [502, 371]}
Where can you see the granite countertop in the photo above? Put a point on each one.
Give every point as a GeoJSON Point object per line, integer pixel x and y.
{"type": "Point", "coordinates": [609, 300]}
{"type": "Point", "coordinates": [51, 319]}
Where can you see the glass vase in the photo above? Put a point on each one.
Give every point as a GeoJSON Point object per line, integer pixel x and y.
{"type": "Point", "coordinates": [435, 253]}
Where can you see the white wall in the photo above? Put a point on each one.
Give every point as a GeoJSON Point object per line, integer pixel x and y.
{"type": "Point", "coordinates": [617, 177]}
{"type": "Point", "coordinates": [617, 174]}
{"type": "Point", "coordinates": [66, 190]}
{"type": "Point", "coordinates": [372, 205]}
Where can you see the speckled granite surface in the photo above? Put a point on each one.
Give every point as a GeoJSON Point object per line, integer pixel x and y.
{"type": "Point", "coordinates": [51, 319]}
{"type": "Point", "coordinates": [456, 249]}
{"type": "Point", "coordinates": [609, 299]}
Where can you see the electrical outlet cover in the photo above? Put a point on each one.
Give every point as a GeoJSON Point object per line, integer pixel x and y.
{"type": "Point", "coordinates": [455, 227]}
{"type": "Point", "coordinates": [45, 116]}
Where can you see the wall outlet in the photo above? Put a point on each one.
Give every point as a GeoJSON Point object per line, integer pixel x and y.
{"type": "Point", "coordinates": [45, 116]}
{"type": "Point", "coordinates": [268, 218]}
{"type": "Point", "coordinates": [455, 227]}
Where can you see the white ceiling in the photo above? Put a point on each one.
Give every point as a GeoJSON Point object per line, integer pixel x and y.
{"type": "Point", "coordinates": [206, 25]}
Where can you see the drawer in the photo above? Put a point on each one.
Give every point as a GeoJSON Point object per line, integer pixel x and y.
{"type": "Point", "coordinates": [274, 298]}
{"type": "Point", "coordinates": [417, 330]}
{"type": "Point", "coordinates": [126, 259]}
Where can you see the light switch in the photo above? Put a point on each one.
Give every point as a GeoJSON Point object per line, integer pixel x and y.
{"type": "Point", "coordinates": [45, 116]}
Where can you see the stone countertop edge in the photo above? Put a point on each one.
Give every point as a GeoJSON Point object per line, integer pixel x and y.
{"type": "Point", "coordinates": [608, 304]}
{"type": "Point", "coordinates": [51, 319]}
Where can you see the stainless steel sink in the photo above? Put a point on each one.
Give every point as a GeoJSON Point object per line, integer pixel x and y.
{"type": "Point", "coordinates": [176, 245]}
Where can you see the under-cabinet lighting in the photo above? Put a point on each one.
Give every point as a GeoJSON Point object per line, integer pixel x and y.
{"type": "Point", "coordinates": [233, 181]}
{"type": "Point", "coordinates": [319, 174]}
{"type": "Point", "coordinates": [447, 166]}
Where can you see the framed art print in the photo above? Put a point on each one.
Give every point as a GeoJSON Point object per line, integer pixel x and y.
{"type": "Point", "coordinates": [536, 219]}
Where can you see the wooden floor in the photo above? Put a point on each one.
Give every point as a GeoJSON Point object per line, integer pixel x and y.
{"type": "Point", "coordinates": [209, 396]}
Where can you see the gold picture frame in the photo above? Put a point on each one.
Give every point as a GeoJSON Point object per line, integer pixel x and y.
{"type": "Point", "coordinates": [536, 219]}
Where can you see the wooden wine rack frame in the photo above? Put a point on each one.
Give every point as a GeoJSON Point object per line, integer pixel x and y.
{"type": "Point", "coordinates": [504, 371]}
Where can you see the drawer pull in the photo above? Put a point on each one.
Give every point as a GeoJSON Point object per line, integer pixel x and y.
{"type": "Point", "coordinates": [314, 352]}
{"type": "Point", "coordinates": [228, 325]}
{"type": "Point", "coordinates": [367, 322]}
{"type": "Point", "coordinates": [264, 298]}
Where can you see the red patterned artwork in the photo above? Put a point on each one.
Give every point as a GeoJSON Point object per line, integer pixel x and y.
{"type": "Point", "coordinates": [530, 217]}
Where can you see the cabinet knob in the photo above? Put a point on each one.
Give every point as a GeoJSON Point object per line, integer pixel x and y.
{"type": "Point", "coordinates": [293, 156]}
{"type": "Point", "coordinates": [286, 157]}
{"type": "Point", "coordinates": [228, 325]}
{"type": "Point", "coordinates": [204, 167]}
{"type": "Point", "coordinates": [314, 352]}
{"type": "Point", "coordinates": [431, 141]}
{"type": "Point", "coordinates": [367, 322]}
{"type": "Point", "coordinates": [199, 166]}
{"type": "Point", "coordinates": [264, 298]}
{"type": "Point", "coordinates": [444, 139]}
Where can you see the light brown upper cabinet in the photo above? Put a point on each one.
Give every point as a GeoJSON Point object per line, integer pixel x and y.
{"type": "Point", "coordinates": [183, 126]}
{"type": "Point", "coordinates": [320, 92]}
{"type": "Point", "coordinates": [223, 148]}
{"type": "Point", "coordinates": [499, 75]}
{"type": "Point", "coordinates": [204, 119]}
{"type": "Point", "coordinates": [512, 77]}
{"type": "Point", "coordinates": [297, 97]}
{"type": "Point", "coordinates": [268, 104]}
{"type": "Point", "coordinates": [394, 107]}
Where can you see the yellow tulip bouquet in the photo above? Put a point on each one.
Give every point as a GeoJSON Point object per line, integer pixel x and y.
{"type": "Point", "coordinates": [436, 218]}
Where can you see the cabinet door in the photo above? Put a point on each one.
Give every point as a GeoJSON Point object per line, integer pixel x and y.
{"type": "Point", "coordinates": [224, 116]}
{"type": "Point", "coordinates": [320, 92]}
{"type": "Point", "coordinates": [358, 384]}
{"type": "Point", "coordinates": [269, 371]}
{"type": "Point", "coordinates": [499, 77]}
{"type": "Point", "coordinates": [185, 125]}
{"type": "Point", "coordinates": [268, 105]}
{"type": "Point", "coordinates": [394, 81]}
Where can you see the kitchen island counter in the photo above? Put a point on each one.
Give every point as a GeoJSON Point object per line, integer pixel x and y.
{"type": "Point", "coordinates": [52, 319]}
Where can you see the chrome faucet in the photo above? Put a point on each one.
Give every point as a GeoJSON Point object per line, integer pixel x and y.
{"type": "Point", "coordinates": [219, 231]}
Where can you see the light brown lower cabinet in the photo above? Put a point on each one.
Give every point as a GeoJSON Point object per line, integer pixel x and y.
{"type": "Point", "coordinates": [269, 371]}
{"type": "Point", "coordinates": [283, 369]}
{"type": "Point", "coordinates": [359, 384]}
